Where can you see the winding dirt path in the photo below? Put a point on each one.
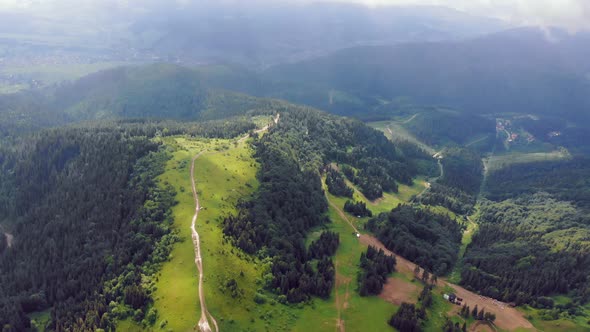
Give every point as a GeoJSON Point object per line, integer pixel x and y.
{"type": "Point", "coordinates": [265, 128]}
{"type": "Point", "coordinates": [507, 318]}
{"type": "Point", "coordinates": [206, 316]}
{"type": "Point", "coordinates": [204, 321]}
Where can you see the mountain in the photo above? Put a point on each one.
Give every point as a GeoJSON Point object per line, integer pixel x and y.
{"type": "Point", "coordinates": [221, 32]}
{"type": "Point", "coordinates": [280, 33]}
{"type": "Point", "coordinates": [524, 71]}
{"type": "Point", "coordinates": [157, 91]}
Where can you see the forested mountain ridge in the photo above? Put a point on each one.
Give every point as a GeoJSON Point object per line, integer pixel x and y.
{"type": "Point", "coordinates": [529, 248]}
{"type": "Point", "coordinates": [518, 71]}
{"type": "Point", "coordinates": [158, 91]}
{"type": "Point", "coordinates": [291, 201]}
{"type": "Point", "coordinates": [90, 219]}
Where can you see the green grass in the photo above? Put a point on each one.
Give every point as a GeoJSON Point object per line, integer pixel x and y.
{"type": "Point", "coordinates": [499, 161]}
{"type": "Point", "coordinates": [358, 313]}
{"type": "Point", "coordinates": [438, 311]}
{"type": "Point", "coordinates": [455, 276]}
{"type": "Point", "coordinates": [223, 175]}
{"type": "Point", "coordinates": [51, 74]}
{"type": "Point", "coordinates": [40, 319]}
{"type": "Point", "coordinates": [579, 323]}
{"type": "Point", "coordinates": [398, 132]}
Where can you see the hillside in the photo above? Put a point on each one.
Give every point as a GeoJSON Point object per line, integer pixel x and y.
{"type": "Point", "coordinates": [158, 91]}
{"type": "Point", "coordinates": [519, 71]}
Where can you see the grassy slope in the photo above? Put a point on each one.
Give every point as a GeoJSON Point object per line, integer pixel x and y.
{"type": "Point", "coordinates": [222, 176]}
{"type": "Point", "coordinates": [357, 313]}
{"type": "Point", "coordinates": [217, 174]}
{"type": "Point", "coordinates": [52, 74]}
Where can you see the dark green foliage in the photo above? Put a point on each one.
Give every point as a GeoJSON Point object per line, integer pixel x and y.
{"type": "Point", "coordinates": [358, 209]}
{"type": "Point", "coordinates": [430, 240]}
{"type": "Point", "coordinates": [463, 169]}
{"type": "Point", "coordinates": [445, 127]}
{"type": "Point", "coordinates": [450, 327]}
{"type": "Point", "coordinates": [408, 318]}
{"type": "Point", "coordinates": [426, 296]}
{"type": "Point", "coordinates": [290, 200]}
{"type": "Point", "coordinates": [375, 267]}
{"type": "Point", "coordinates": [157, 91]}
{"type": "Point", "coordinates": [86, 210]}
{"type": "Point", "coordinates": [325, 246]}
{"type": "Point", "coordinates": [529, 248]}
{"type": "Point", "coordinates": [336, 184]}
{"type": "Point", "coordinates": [565, 180]}
{"type": "Point", "coordinates": [465, 311]}
{"type": "Point", "coordinates": [135, 296]}
{"type": "Point", "coordinates": [514, 71]}
{"type": "Point", "coordinates": [452, 198]}
{"type": "Point", "coordinates": [475, 312]}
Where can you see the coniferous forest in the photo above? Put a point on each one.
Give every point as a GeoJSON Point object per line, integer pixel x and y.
{"type": "Point", "coordinates": [434, 153]}
{"type": "Point", "coordinates": [291, 200]}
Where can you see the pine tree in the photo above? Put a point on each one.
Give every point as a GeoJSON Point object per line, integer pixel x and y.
{"type": "Point", "coordinates": [481, 314]}
{"type": "Point", "coordinates": [464, 311]}
{"type": "Point", "coordinates": [474, 312]}
{"type": "Point", "coordinates": [464, 327]}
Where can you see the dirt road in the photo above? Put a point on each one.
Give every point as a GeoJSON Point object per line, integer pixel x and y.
{"type": "Point", "coordinates": [507, 318]}
{"type": "Point", "coordinates": [205, 315]}
{"type": "Point", "coordinates": [265, 128]}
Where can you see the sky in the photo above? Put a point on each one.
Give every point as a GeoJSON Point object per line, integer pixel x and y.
{"type": "Point", "coordinates": [570, 14]}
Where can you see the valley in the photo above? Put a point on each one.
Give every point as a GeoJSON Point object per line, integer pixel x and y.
{"type": "Point", "coordinates": [295, 167]}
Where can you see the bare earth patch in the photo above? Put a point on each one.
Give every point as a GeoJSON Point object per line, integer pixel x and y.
{"type": "Point", "coordinates": [397, 291]}
{"type": "Point", "coordinates": [507, 318]}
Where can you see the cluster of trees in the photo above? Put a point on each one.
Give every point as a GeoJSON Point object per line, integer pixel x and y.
{"type": "Point", "coordinates": [408, 318]}
{"type": "Point", "coordinates": [452, 198]}
{"type": "Point", "coordinates": [336, 184]}
{"type": "Point", "coordinates": [476, 314]}
{"type": "Point", "coordinates": [425, 296]}
{"type": "Point", "coordinates": [158, 91]}
{"type": "Point", "coordinates": [375, 267]}
{"type": "Point", "coordinates": [450, 327]}
{"type": "Point", "coordinates": [375, 176]}
{"type": "Point", "coordinates": [429, 239]}
{"type": "Point", "coordinates": [325, 246]}
{"type": "Point", "coordinates": [463, 169]}
{"type": "Point", "coordinates": [290, 200]}
{"type": "Point", "coordinates": [528, 248]}
{"type": "Point", "coordinates": [440, 127]}
{"type": "Point", "coordinates": [89, 218]}
{"type": "Point", "coordinates": [357, 209]}
{"type": "Point", "coordinates": [566, 180]}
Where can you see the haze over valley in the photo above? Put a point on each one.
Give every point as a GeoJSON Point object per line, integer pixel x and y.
{"type": "Point", "coordinates": [388, 165]}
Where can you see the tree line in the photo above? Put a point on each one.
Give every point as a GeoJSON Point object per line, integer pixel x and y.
{"type": "Point", "coordinates": [428, 239]}
{"type": "Point", "coordinates": [290, 200]}
{"type": "Point", "coordinates": [528, 248]}
{"type": "Point", "coordinates": [375, 266]}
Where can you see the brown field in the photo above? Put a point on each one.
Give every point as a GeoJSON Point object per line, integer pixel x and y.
{"type": "Point", "coordinates": [397, 291]}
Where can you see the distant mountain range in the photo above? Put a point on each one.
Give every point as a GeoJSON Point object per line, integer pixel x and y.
{"type": "Point", "coordinates": [203, 32]}
{"type": "Point", "coordinates": [522, 70]}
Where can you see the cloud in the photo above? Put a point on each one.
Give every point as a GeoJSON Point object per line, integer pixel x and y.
{"type": "Point", "coordinates": [570, 14]}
